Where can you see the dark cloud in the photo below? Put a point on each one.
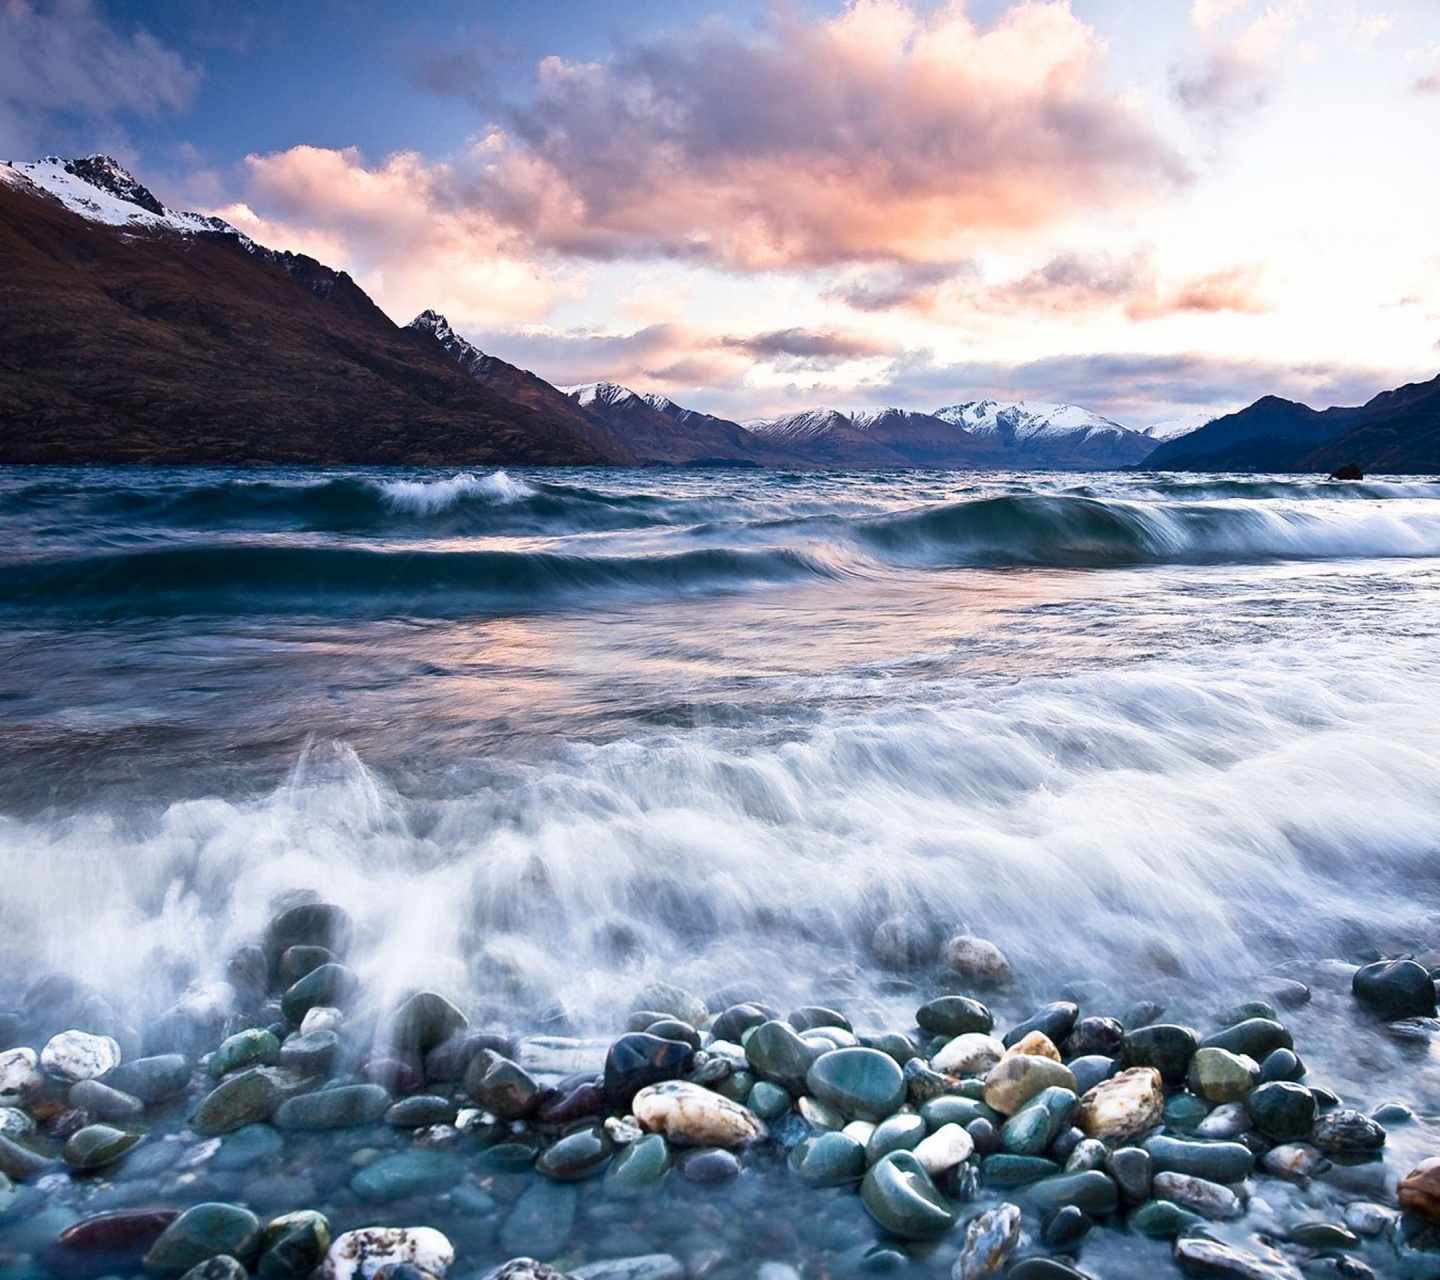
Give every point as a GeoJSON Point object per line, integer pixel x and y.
{"type": "Point", "coordinates": [64, 67]}
{"type": "Point", "coordinates": [806, 348]}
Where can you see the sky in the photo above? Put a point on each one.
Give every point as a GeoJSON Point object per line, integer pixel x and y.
{"type": "Point", "coordinates": [1152, 208]}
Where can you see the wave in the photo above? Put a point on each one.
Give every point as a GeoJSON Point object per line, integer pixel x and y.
{"type": "Point", "coordinates": [247, 578]}
{"type": "Point", "coordinates": [1068, 531]}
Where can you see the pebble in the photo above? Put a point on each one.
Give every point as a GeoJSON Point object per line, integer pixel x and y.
{"type": "Point", "coordinates": [154, 1079]}
{"type": "Point", "coordinates": [971, 1054]}
{"type": "Point", "coordinates": [990, 1239]}
{"type": "Point", "coordinates": [1227, 1121]}
{"type": "Point", "coordinates": [1291, 1160]}
{"type": "Point", "coordinates": [941, 1151]}
{"type": "Point", "coordinates": [900, 1196]}
{"type": "Point", "coordinates": [358, 1255]}
{"type": "Point", "coordinates": [1124, 1106]}
{"type": "Point", "coordinates": [1216, 1161]}
{"type": "Point", "coordinates": [1368, 1219]}
{"type": "Point", "coordinates": [294, 1245]}
{"type": "Point", "coordinates": [1055, 1020]}
{"type": "Point", "coordinates": [650, 1266]}
{"type": "Point", "coordinates": [78, 1055]}
{"type": "Point", "coordinates": [20, 1076]}
{"type": "Point", "coordinates": [97, 1145]}
{"type": "Point", "coordinates": [1168, 1047]}
{"type": "Point", "coordinates": [1133, 1171]}
{"type": "Point", "coordinates": [1395, 989]}
{"type": "Point", "coordinates": [102, 1102]}
{"type": "Point", "coordinates": [1347, 1131]}
{"type": "Point", "coordinates": [862, 1084]}
{"type": "Point", "coordinates": [954, 1016]}
{"type": "Point", "coordinates": [1218, 1075]}
{"type": "Point", "coordinates": [975, 958]}
{"type": "Point", "coordinates": [321, 1018]}
{"type": "Point", "coordinates": [342, 1107]}
{"type": "Point", "coordinates": [1206, 1198]}
{"type": "Point", "coordinates": [1012, 1082]}
{"type": "Point", "coordinates": [1203, 1256]}
{"type": "Point", "coordinates": [690, 1115]}
{"type": "Point", "coordinates": [205, 1231]}
{"type": "Point", "coordinates": [1282, 1111]}
{"type": "Point", "coordinates": [1419, 1190]}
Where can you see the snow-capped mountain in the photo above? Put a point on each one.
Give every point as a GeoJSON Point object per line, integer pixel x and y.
{"type": "Point", "coordinates": [876, 437]}
{"type": "Point", "coordinates": [1174, 428]}
{"type": "Point", "coordinates": [1037, 433]}
{"type": "Point", "coordinates": [100, 189]}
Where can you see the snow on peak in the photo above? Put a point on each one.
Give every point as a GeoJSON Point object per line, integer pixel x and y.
{"type": "Point", "coordinates": [606, 393]}
{"type": "Point", "coordinates": [1174, 428]}
{"type": "Point", "coordinates": [1026, 420]}
{"type": "Point", "coordinates": [466, 354]}
{"type": "Point", "coordinates": [100, 189]}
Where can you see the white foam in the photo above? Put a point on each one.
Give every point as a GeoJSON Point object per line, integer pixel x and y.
{"type": "Point", "coordinates": [429, 497]}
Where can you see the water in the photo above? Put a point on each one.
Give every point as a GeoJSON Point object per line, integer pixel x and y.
{"type": "Point", "coordinates": [548, 736]}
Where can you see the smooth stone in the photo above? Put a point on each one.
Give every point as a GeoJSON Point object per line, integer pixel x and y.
{"type": "Point", "coordinates": [1143, 1013]}
{"type": "Point", "coordinates": [900, 1047]}
{"type": "Point", "coordinates": [446, 1063]}
{"type": "Point", "coordinates": [1281, 1064]}
{"type": "Point", "coordinates": [1228, 1120]}
{"type": "Point", "coordinates": [504, 1088]}
{"type": "Point", "coordinates": [577, 1156]}
{"type": "Point", "coordinates": [248, 1147]}
{"type": "Point", "coordinates": [638, 1060]}
{"type": "Point", "coordinates": [343, 1107]}
{"type": "Point", "coordinates": [990, 1239]}
{"type": "Point", "coordinates": [900, 1196]}
{"type": "Point", "coordinates": [819, 1115]}
{"type": "Point", "coordinates": [638, 1167]}
{"type": "Point", "coordinates": [250, 1097]}
{"type": "Point", "coordinates": [971, 1054]}
{"type": "Point", "coordinates": [1091, 1070]}
{"type": "Point", "coordinates": [410, 1173]}
{"type": "Point", "coordinates": [1055, 1021]}
{"type": "Point", "coordinates": [1419, 1190]}
{"type": "Point", "coordinates": [1255, 1038]}
{"type": "Point", "coordinates": [1093, 1192]}
{"type": "Point", "coordinates": [768, 1101]}
{"type": "Point", "coordinates": [673, 1029]}
{"type": "Point", "coordinates": [308, 924]}
{"type": "Point", "coordinates": [1035, 1044]}
{"type": "Point", "coordinates": [954, 1016]}
{"type": "Point", "coordinates": [828, 1160]}
{"type": "Point", "coordinates": [1122, 1107]}
{"type": "Point", "coordinates": [1095, 1037]}
{"type": "Point", "coordinates": [15, 1123]}
{"type": "Point", "coordinates": [294, 1245]}
{"type": "Point", "coordinates": [734, 1022]}
{"type": "Point", "coordinates": [20, 1076]}
{"type": "Point", "coordinates": [1218, 1075]}
{"type": "Point", "coordinates": [1200, 1195]}
{"type": "Point", "coordinates": [1133, 1171]}
{"type": "Point", "coordinates": [103, 1102]}
{"type": "Point", "coordinates": [1066, 1141]}
{"type": "Point", "coordinates": [943, 1150]}
{"type": "Point", "coordinates": [309, 1054]}
{"type": "Point", "coordinates": [860, 1131]}
{"type": "Point", "coordinates": [778, 1054]}
{"type": "Point", "coordinates": [420, 1111]}
{"type": "Point", "coordinates": [330, 985]}
{"type": "Point", "coordinates": [1184, 1111]}
{"type": "Point", "coordinates": [20, 1163]}
{"type": "Point", "coordinates": [542, 1218]}
{"type": "Point", "coordinates": [223, 1267]}
{"type": "Point", "coordinates": [862, 1083]}
{"type": "Point", "coordinates": [898, 1133]}
{"type": "Point", "coordinates": [97, 1145]}
{"type": "Point", "coordinates": [1247, 1009]}
{"type": "Point", "coordinates": [425, 1021]}
{"type": "Point", "coordinates": [954, 1109]}
{"type": "Point", "coordinates": [205, 1231]}
{"type": "Point", "coordinates": [1012, 1082]}
{"type": "Point", "coordinates": [106, 1243]}
{"type": "Point", "coordinates": [1167, 1047]}
{"type": "Point", "coordinates": [690, 1115]}
{"type": "Point", "coordinates": [901, 943]}
{"type": "Point", "coordinates": [649, 1266]}
{"type": "Point", "coordinates": [922, 1084]}
{"type": "Point", "coordinates": [1395, 989]}
{"type": "Point", "coordinates": [1367, 1219]}
{"type": "Point", "coordinates": [1323, 1235]}
{"type": "Point", "coordinates": [1089, 1153]}
{"type": "Point", "coordinates": [707, 1165]}
{"type": "Point", "coordinates": [1005, 1170]}
{"type": "Point", "coordinates": [810, 1016]}
{"type": "Point", "coordinates": [295, 962]}
{"type": "Point", "coordinates": [1201, 1255]}
{"type": "Point", "coordinates": [153, 1079]}
{"type": "Point", "coordinates": [1031, 1130]}
{"type": "Point", "coordinates": [321, 1018]}
{"type": "Point", "coordinates": [243, 1049]}
{"type": "Point", "coordinates": [1282, 1111]}
{"type": "Point", "coordinates": [1292, 1160]}
{"type": "Point", "coordinates": [1392, 1113]}
{"type": "Point", "coordinates": [1161, 1219]}
{"type": "Point", "coordinates": [976, 958]}
{"type": "Point", "coordinates": [1347, 1131]}
{"type": "Point", "coordinates": [78, 1055]}
{"type": "Point", "coordinates": [1066, 1228]}
{"type": "Point", "coordinates": [358, 1255]}
{"type": "Point", "coordinates": [1216, 1161]}
{"type": "Point", "coordinates": [507, 1157]}
{"type": "Point", "coordinates": [673, 1002]}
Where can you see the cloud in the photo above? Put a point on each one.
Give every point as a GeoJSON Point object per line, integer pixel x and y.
{"type": "Point", "coordinates": [1427, 84]}
{"type": "Point", "coordinates": [806, 348]}
{"type": "Point", "coordinates": [63, 63]}
{"type": "Point", "coordinates": [1239, 69]}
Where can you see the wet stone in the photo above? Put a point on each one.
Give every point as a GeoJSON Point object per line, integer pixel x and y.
{"type": "Point", "coordinates": [954, 1109]}
{"type": "Point", "coordinates": [446, 1063]}
{"type": "Point", "coordinates": [202, 1232]}
{"type": "Point", "coordinates": [20, 1163]}
{"type": "Point", "coordinates": [577, 1156]}
{"type": "Point", "coordinates": [690, 1115]}
{"type": "Point", "coordinates": [673, 1002]}
{"type": "Point", "coordinates": [1005, 1170]}
{"type": "Point", "coordinates": [106, 1243]}
{"type": "Point", "coordinates": [971, 1054]}
{"type": "Point", "coordinates": [20, 1076]}
{"type": "Point", "coordinates": [1131, 1168]}
{"type": "Point", "coordinates": [1209, 1199]}
{"type": "Point", "coordinates": [1122, 1107]}
{"type": "Point", "coordinates": [673, 1029]}
{"type": "Point", "coordinates": [1091, 1070]}
{"type": "Point", "coordinates": [1367, 1219]}
{"type": "Point", "coordinates": [410, 1173]}
{"type": "Point", "coordinates": [1282, 1111]}
{"type": "Point", "coordinates": [313, 924]}
{"type": "Point", "coordinates": [1254, 1038]}
{"type": "Point", "coordinates": [945, 1149]}
{"type": "Point", "coordinates": [1044, 1269]}
{"type": "Point", "coordinates": [1167, 1047]}
{"type": "Point", "coordinates": [542, 1219]}
{"type": "Point", "coordinates": [330, 985]}
{"type": "Point", "coordinates": [1092, 1192]}
{"type": "Point", "coordinates": [922, 1084]}
{"type": "Point", "coordinates": [778, 1054]}
{"type": "Point", "coordinates": [97, 1145]}
{"type": "Point", "coordinates": [309, 1054]}
{"type": "Point", "coordinates": [1394, 989]}
{"type": "Point", "coordinates": [358, 1255]}
{"type": "Point", "coordinates": [862, 1083]}
{"type": "Point", "coordinates": [247, 1148]}
{"type": "Point", "coordinates": [223, 1267]}
{"type": "Point", "coordinates": [294, 1244]}
{"type": "Point", "coordinates": [1281, 1064]}
{"type": "Point", "coordinates": [1091, 1153]}
{"type": "Point", "coordinates": [1031, 1130]}
{"type": "Point", "coordinates": [420, 1112]}
{"type": "Point", "coordinates": [900, 1196]}
{"type": "Point", "coordinates": [78, 1055]}
{"type": "Point", "coordinates": [768, 1101]}
{"type": "Point", "coordinates": [1218, 1075]}
{"type": "Point", "coordinates": [153, 1079]}
{"type": "Point", "coordinates": [977, 959]}
{"type": "Point", "coordinates": [734, 1022]}
{"type": "Point", "coordinates": [819, 1115]}
{"type": "Point", "coordinates": [1202, 1256]}
{"type": "Point", "coordinates": [15, 1123]}
{"type": "Point", "coordinates": [638, 1060]}
{"type": "Point", "coordinates": [1347, 1131]}
{"type": "Point", "coordinates": [1216, 1161]}
{"type": "Point", "coordinates": [502, 1087]}
{"type": "Point", "coordinates": [1066, 1228]}
{"type": "Point", "coordinates": [707, 1165]}
{"type": "Point", "coordinates": [1095, 1037]}
{"type": "Point", "coordinates": [1419, 1190]}
{"type": "Point", "coordinates": [639, 1167]}
{"type": "Point", "coordinates": [103, 1102]}
{"type": "Point", "coordinates": [425, 1021]}
{"type": "Point", "coordinates": [990, 1239]}
{"type": "Point", "coordinates": [898, 1133]}
{"type": "Point", "coordinates": [954, 1016]}
{"type": "Point", "coordinates": [338, 1108]}
{"type": "Point", "coordinates": [1229, 1120]}
{"type": "Point", "coordinates": [811, 1016]}
{"type": "Point", "coordinates": [1323, 1235]}
{"type": "Point", "coordinates": [1014, 1081]}
{"type": "Point", "coordinates": [1161, 1220]}
{"type": "Point", "coordinates": [1184, 1111]}
{"type": "Point", "coordinates": [1055, 1021]}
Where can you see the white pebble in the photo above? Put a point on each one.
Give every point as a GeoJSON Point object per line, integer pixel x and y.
{"type": "Point", "coordinates": [321, 1018]}
{"type": "Point", "coordinates": [19, 1075]}
{"type": "Point", "coordinates": [947, 1147]}
{"type": "Point", "coordinates": [358, 1255]}
{"type": "Point", "coordinates": [77, 1055]}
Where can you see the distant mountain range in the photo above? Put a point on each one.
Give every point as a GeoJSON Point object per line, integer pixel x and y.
{"type": "Point", "coordinates": [134, 333]}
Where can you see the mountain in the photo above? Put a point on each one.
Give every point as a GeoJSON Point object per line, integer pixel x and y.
{"type": "Point", "coordinates": [1174, 428]}
{"type": "Point", "coordinates": [132, 333]}
{"type": "Point", "coordinates": [659, 431]}
{"type": "Point", "coordinates": [883, 437]}
{"type": "Point", "coordinates": [1037, 434]}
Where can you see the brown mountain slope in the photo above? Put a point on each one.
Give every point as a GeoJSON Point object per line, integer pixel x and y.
{"type": "Point", "coordinates": [124, 344]}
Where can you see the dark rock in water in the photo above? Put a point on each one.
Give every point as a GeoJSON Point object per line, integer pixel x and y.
{"type": "Point", "coordinates": [672, 1002]}
{"type": "Point", "coordinates": [1091, 1191]}
{"type": "Point", "coordinates": [903, 944]}
{"type": "Point", "coordinates": [1255, 1038]}
{"type": "Point", "coordinates": [1165, 1046]}
{"type": "Point", "coordinates": [151, 1079]}
{"type": "Point", "coordinates": [579, 1103]}
{"type": "Point", "coordinates": [254, 1045]}
{"type": "Point", "coordinates": [410, 1173]}
{"type": "Point", "coordinates": [296, 962]}
{"type": "Point", "coordinates": [421, 1111]}
{"type": "Point", "coordinates": [397, 1073]}
{"type": "Point", "coordinates": [1066, 1228]}
{"type": "Point", "coordinates": [329, 985]}
{"type": "Point", "coordinates": [339, 1108]}
{"type": "Point", "coordinates": [778, 1054]}
{"type": "Point", "coordinates": [248, 1098]}
{"type": "Point", "coordinates": [223, 1267]}
{"type": "Point", "coordinates": [446, 1063]}
{"type": "Point", "coordinates": [202, 1232]}
{"type": "Point", "coordinates": [20, 1163]}
{"type": "Point", "coordinates": [579, 1155]}
{"type": "Point", "coordinates": [1091, 1070]}
{"type": "Point", "coordinates": [1395, 989]}
{"type": "Point", "coordinates": [1131, 1168]}
{"type": "Point", "coordinates": [102, 1102]}
{"type": "Point", "coordinates": [1056, 1020]}
{"type": "Point", "coordinates": [310, 1054]}
{"type": "Point", "coordinates": [502, 1087]}
{"type": "Point", "coordinates": [638, 1060]}
{"type": "Point", "coordinates": [1006, 1170]}
{"type": "Point", "coordinates": [954, 1016]}
{"type": "Point", "coordinates": [863, 1084]}
{"type": "Point", "coordinates": [673, 1029]}
{"type": "Point", "coordinates": [541, 1220]}
{"type": "Point", "coordinates": [108, 1243]}
{"type": "Point", "coordinates": [1094, 1037]}
{"type": "Point", "coordinates": [1282, 1111]}
{"type": "Point", "coordinates": [638, 1167]}
{"type": "Point", "coordinates": [738, 1019]}
{"type": "Point", "coordinates": [1347, 1131]}
{"type": "Point", "coordinates": [1161, 1220]}
{"type": "Point", "coordinates": [1203, 1256]}
{"type": "Point", "coordinates": [311, 924]}
{"type": "Point", "coordinates": [97, 1145]}
{"type": "Point", "coordinates": [294, 1245]}
{"type": "Point", "coordinates": [901, 1197]}
{"type": "Point", "coordinates": [922, 1084]}
{"type": "Point", "coordinates": [1282, 1064]}
{"type": "Point", "coordinates": [708, 1165]}
{"type": "Point", "coordinates": [1288, 993]}
{"type": "Point", "coordinates": [811, 1016]}
{"type": "Point", "coordinates": [1350, 471]}
{"type": "Point", "coordinates": [424, 1022]}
